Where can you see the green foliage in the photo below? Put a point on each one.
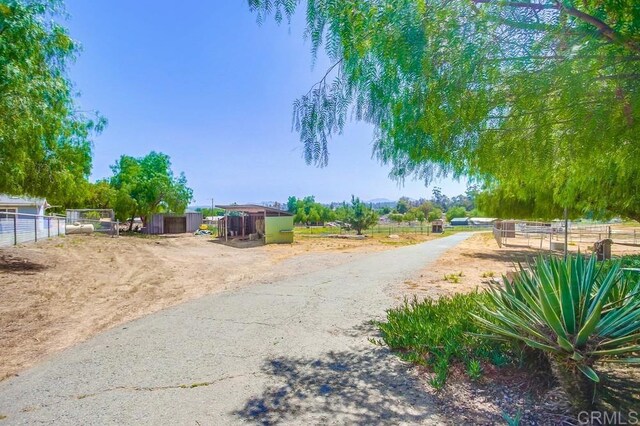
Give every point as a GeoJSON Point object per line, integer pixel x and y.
{"type": "Point", "coordinates": [409, 216]}
{"type": "Point", "coordinates": [453, 278]}
{"type": "Point", "coordinates": [537, 101]}
{"type": "Point", "coordinates": [357, 215]}
{"type": "Point", "coordinates": [396, 217]}
{"type": "Point", "coordinates": [307, 211]}
{"type": "Point", "coordinates": [209, 212]}
{"type": "Point", "coordinates": [514, 420]}
{"type": "Point", "coordinates": [403, 206]}
{"type": "Point", "coordinates": [474, 369]}
{"type": "Point", "coordinates": [45, 146]}
{"type": "Point", "coordinates": [439, 333]}
{"type": "Point", "coordinates": [566, 309]}
{"type": "Point", "coordinates": [147, 185]}
{"type": "Point", "coordinates": [435, 214]}
{"type": "Point", "coordinates": [455, 212]}
{"type": "Point", "coordinates": [100, 195]}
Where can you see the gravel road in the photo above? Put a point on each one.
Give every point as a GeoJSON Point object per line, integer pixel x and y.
{"type": "Point", "coordinates": [294, 351]}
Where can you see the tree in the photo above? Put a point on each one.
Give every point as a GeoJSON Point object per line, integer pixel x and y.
{"type": "Point", "coordinates": [100, 195]}
{"type": "Point", "coordinates": [403, 206]}
{"type": "Point", "coordinates": [457, 211]}
{"type": "Point", "coordinates": [314, 216]}
{"type": "Point", "coordinates": [439, 199]}
{"type": "Point", "coordinates": [535, 100]}
{"type": "Point", "coordinates": [292, 204]}
{"type": "Point", "coordinates": [209, 212]}
{"type": "Point", "coordinates": [359, 216]}
{"type": "Point", "coordinates": [45, 145]}
{"type": "Point", "coordinates": [146, 186]}
{"type": "Point", "coordinates": [396, 217]}
{"type": "Point", "coordinates": [426, 207]}
{"type": "Point", "coordinates": [409, 216]}
{"type": "Point", "coordinates": [435, 214]}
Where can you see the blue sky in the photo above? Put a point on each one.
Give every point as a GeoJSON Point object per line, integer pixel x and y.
{"type": "Point", "coordinates": [203, 83]}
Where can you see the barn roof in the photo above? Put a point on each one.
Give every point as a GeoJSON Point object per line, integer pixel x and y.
{"type": "Point", "coordinates": [254, 208]}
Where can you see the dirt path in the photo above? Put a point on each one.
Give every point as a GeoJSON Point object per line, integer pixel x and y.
{"type": "Point", "coordinates": [294, 349]}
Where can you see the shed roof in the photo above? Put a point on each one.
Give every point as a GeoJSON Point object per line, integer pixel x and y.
{"type": "Point", "coordinates": [460, 220]}
{"type": "Point", "coordinates": [13, 200]}
{"type": "Point", "coordinates": [254, 208]}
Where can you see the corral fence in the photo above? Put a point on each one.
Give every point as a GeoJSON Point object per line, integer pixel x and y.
{"type": "Point", "coordinates": [18, 228]}
{"type": "Point", "coordinates": [102, 220]}
{"type": "Point", "coordinates": [550, 235]}
{"type": "Point", "coordinates": [391, 229]}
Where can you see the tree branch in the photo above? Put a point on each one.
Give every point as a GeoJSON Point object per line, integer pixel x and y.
{"type": "Point", "coordinates": [324, 77]}
{"type": "Point", "coordinates": [532, 6]}
{"type": "Point", "coordinates": [604, 29]}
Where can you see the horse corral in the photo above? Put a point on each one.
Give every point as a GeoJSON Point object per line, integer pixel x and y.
{"type": "Point", "coordinates": [582, 237]}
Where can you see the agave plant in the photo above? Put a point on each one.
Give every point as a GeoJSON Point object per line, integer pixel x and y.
{"type": "Point", "coordinates": [577, 316]}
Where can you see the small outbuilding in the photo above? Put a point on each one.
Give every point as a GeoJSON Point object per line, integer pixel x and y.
{"type": "Point", "coordinates": [459, 221]}
{"type": "Point", "coordinates": [482, 221]}
{"type": "Point", "coordinates": [254, 222]}
{"type": "Point", "coordinates": [166, 223]}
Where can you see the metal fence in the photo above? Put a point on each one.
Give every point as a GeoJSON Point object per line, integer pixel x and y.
{"type": "Point", "coordinates": [390, 229]}
{"type": "Point", "coordinates": [550, 235]}
{"type": "Point", "coordinates": [17, 228]}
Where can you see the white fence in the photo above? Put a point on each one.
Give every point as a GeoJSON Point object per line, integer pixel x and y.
{"type": "Point", "coordinates": [17, 228]}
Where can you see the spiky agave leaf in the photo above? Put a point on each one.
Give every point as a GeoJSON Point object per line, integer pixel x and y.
{"type": "Point", "coordinates": [562, 307]}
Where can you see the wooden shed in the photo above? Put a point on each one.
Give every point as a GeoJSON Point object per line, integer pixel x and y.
{"type": "Point", "coordinates": [255, 222]}
{"type": "Point", "coordinates": [166, 223]}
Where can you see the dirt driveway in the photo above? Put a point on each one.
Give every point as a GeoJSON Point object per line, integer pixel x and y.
{"type": "Point", "coordinates": [62, 291]}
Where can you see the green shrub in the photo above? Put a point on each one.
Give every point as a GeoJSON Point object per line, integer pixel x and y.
{"type": "Point", "coordinates": [573, 312]}
{"type": "Point", "coordinates": [438, 333]}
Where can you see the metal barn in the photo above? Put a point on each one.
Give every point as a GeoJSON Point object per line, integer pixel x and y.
{"type": "Point", "coordinates": [255, 222]}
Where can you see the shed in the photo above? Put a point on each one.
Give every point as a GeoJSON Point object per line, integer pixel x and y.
{"type": "Point", "coordinates": [167, 223]}
{"type": "Point", "coordinates": [254, 222]}
{"type": "Point", "coordinates": [459, 221]}
{"type": "Point", "coordinates": [437, 226]}
{"type": "Point", "coordinates": [482, 221]}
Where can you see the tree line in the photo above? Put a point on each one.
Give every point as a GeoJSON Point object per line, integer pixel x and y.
{"type": "Point", "coordinates": [359, 216]}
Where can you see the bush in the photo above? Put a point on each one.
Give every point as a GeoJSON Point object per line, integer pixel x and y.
{"type": "Point", "coordinates": [438, 333]}
{"type": "Point", "coordinates": [573, 312]}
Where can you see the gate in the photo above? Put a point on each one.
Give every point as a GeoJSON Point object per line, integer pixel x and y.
{"type": "Point", "coordinates": [175, 224]}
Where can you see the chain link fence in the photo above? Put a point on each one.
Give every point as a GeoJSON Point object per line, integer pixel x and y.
{"type": "Point", "coordinates": [18, 228]}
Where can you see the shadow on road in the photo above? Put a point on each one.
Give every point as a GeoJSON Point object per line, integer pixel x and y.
{"type": "Point", "coordinates": [368, 386]}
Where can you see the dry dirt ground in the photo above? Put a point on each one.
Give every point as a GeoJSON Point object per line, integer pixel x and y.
{"type": "Point", "coordinates": [478, 260]}
{"type": "Point", "coordinates": [62, 291]}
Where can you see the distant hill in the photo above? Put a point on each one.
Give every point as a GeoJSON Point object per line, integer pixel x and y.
{"type": "Point", "coordinates": [380, 201]}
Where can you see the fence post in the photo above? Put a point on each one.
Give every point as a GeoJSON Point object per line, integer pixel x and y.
{"type": "Point", "coordinates": [48, 227]}
{"type": "Point", "coordinates": [15, 229]}
{"type": "Point", "coordinates": [35, 228]}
